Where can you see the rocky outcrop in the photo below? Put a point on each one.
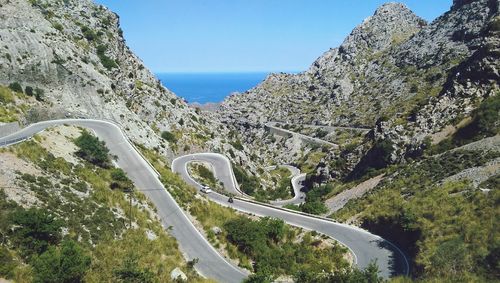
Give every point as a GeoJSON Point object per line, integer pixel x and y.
{"type": "Point", "coordinates": [394, 73]}
{"type": "Point", "coordinates": [312, 96]}
{"type": "Point", "coordinates": [75, 52]}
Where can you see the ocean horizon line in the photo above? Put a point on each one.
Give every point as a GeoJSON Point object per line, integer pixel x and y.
{"type": "Point", "coordinates": [227, 72]}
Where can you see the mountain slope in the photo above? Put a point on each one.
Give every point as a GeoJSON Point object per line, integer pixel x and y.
{"type": "Point", "coordinates": [75, 53]}
{"type": "Point", "coordinates": [394, 73]}
{"type": "Point", "coordinates": [375, 70]}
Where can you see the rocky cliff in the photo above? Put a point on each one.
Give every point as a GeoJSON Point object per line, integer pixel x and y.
{"type": "Point", "coordinates": [404, 78]}
{"type": "Point", "coordinates": [75, 52]}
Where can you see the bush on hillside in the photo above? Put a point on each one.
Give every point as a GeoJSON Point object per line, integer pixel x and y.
{"type": "Point", "coordinates": [168, 136]}
{"type": "Point", "coordinates": [93, 150]}
{"type": "Point", "coordinates": [120, 180]}
{"type": "Point", "coordinates": [131, 272]}
{"type": "Point", "coordinates": [15, 86]}
{"type": "Point", "coordinates": [65, 264]}
{"type": "Point", "coordinates": [33, 230]}
{"type": "Point", "coordinates": [106, 62]}
{"type": "Point", "coordinates": [29, 91]}
{"type": "Point", "coordinates": [39, 94]}
{"type": "Point", "coordinates": [485, 123]}
{"type": "Point", "coordinates": [89, 34]}
{"type": "Point", "coordinates": [249, 184]}
{"type": "Point", "coordinates": [7, 263]}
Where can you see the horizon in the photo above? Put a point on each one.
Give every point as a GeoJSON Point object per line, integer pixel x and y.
{"type": "Point", "coordinates": [199, 36]}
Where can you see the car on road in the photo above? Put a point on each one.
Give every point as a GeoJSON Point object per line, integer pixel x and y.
{"type": "Point", "coordinates": [206, 189]}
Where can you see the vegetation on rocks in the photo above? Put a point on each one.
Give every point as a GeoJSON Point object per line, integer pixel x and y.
{"type": "Point", "coordinates": [13, 104]}
{"type": "Point", "coordinates": [283, 186]}
{"type": "Point", "coordinates": [314, 202]}
{"type": "Point", "coordinates": [106, 61]}
{"type": "Point", "coordinates": [248, 184]}
{"type": "Point", "coordinates": [203, 175]}
{"type": "Point", "coordinates": [93, 150]}
{"type": "Point", "coordinates": [168, 136]}
{"type": "Point", "coordinates": [272, 246]}
{"type": "Point", "coordinates": [15, 86]}
{"type": "Point", "coordinates": [448, 229]}
{"type": "Point", "coordinates": [485, 123]}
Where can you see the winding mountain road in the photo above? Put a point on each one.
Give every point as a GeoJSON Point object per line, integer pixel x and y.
{"type": "Point", "coordinates": [296, 179]}
{"type": "Point", "coordinates": [364, 245]}
{"type": "Point", "coordinates": [193, 245]}
{"type": "Point", "coordinates": [301, 136]}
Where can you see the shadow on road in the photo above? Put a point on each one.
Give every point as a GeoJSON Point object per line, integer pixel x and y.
{"type": "Point", "coordinates": [397, 260]}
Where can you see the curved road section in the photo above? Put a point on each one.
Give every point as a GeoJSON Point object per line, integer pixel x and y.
{"type": "Point", "coordinates": [211, 264]}
{"type": "Point", "coordinates": [366, 247]}
{"type": "Point", "coordinates": [296, 179]}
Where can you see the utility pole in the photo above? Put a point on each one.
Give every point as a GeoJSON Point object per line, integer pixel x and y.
{"type": "Point", "coordinates": [130, 191]}
{"type": "Point", "coordinates": [130, 212]}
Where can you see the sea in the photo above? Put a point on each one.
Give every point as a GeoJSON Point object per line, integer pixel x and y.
{"type": "Point", "coordinates": [209, 87]}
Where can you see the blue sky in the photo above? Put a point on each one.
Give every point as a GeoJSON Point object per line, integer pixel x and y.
{"type": "Point", "coordinates": [244, 35]}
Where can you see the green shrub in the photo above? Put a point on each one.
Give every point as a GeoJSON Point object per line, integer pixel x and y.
{"type": "Point", "coordinates": [120, 180]}
{"type": "Point", "coordinates": [29, 91]}
{"type": "Point", "coordinates": [15, 86]}
{"type": "Point", "coordinates": [378, 157]}
{"type": "Point", "coordinates": [34, 230]}
{"type": "Point", "coordinates": [413, 208]}
{"type": "Point", "coordinates": [314, 207]}
{"type": "Point", "coordinates": [106, 62]}
{"type": "Point", "coordinates": [249, 184]}
{"type": "Point", "coordinates": [491, 183]}
{"type": "Point", "coordinates": [93, 150]}
{"type": "Point", "coordinates": [131, 272]}
{"type": "Point", "coordinates": [237, 145]}
{"type": "Point", "coordinates": [58, 26]}
{"type": "Point", "coordinates": [206, 174]}
{"type": "Point", "coordinates": [6, 95]}
{"type": "Point", "coordinates": [168, 136]}
{"type": "Point", "coordinates": [39, 94]}
{"type": "Point", "coordinates": [275, 249]}
{"type": "Point", "coordinates": [65, 264]}
{"type": "Point", "coordinates": [7, 263]}
{"type": "Point", "coordinates": [494, 25]}
{"type": "Point", "coordinates": [89, 34]}
{"type": "Point", "coordinates": [253, 237]}
{"type": "Point", "coordinates": [485, 123]}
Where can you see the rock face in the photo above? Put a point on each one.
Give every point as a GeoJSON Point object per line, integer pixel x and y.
{"type": "Point", "coordinates": [75, 52]}
{"type": "Point", "coordinates": [394, 73]}
{"type": "Point", "coordinates": [314, 95]}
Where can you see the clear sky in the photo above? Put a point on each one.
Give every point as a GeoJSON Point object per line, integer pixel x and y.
{"type": "Point", "coordinates": [244, 35]}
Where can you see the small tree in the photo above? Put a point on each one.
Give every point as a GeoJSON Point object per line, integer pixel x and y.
{"type": "Point", "coordinates": [34, 230]}
{"type": "Point", "coordinates": [120, 180]}
{"type": "Point", "coordinates": [39, 94]}
{"type": "Point", "coordinates": [93, 150]}
{"type": "Point", "coordinates": [168, 136]}
{"type": "Point", "coordinates": [130, 272]}
{"type": "Point", "coordinates": [29, 91]}
{"type": "Point", "coordinates": [7, 263]}
{"type": "Point", "coordinates": [65, 264]}
{"type": "Point", "coordinates": [15, 86]}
